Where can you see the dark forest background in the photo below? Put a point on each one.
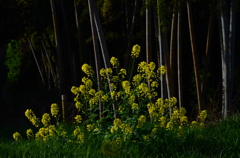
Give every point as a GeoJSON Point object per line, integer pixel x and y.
{"type": "Point", "coordinates": [34, 34]}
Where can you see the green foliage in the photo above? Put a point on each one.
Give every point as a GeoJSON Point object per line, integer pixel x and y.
{"type": "Point", "coordinates": [14, 60]}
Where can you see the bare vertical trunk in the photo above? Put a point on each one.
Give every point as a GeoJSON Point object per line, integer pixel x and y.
{"type": "Point", "coordinates": [179, 55]}
{"type": "Point", "coordinates": [172, 52]}
{"type": "Point", "coordinates": [97, 58]}
{"type": "Point", "coordinates": [61, 69]}
{"type": "Point", "coordinates": [161, 54]}
{"type": "Point", "coordinates": [148, 32]}
{"type": "Point", "coordinates": [194, 55]}
{"type": "Point", "coordinates": [94, 14]}
{"type": "Point", "coordinates": [80, 45]}
{"type": "Point", "coordinates": [208, 43]}
{"type": "Point", "coordinates": [225, 55]}
{"type": "Point", "coordinates": [232, 33]}
{"type": "Point", "coordinates": [129, 42]}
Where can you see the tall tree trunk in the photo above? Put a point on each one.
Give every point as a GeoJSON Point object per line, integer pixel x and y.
{"type": "Point", "coordinates": [161, 54]}
{"type": "Point", "coordinates": [94, 14]}
{"type": "Point", "coordinates": [79, 36]}
{"type": "Point", "coordinates": [194, 55]}
{"type": "Point", "coordinates": [61, 69]}
{"type": "Point", "coordinates": [208, 43]}
{"type": "Point", "coordinates": [172, 52]}
{"type": "Point", "coordinates": [97, 57]}
{"type": "Point", "coordinates": [225, 56]}
{"type": "Point", "coordinates": [179, 55]}
{"type": "Point", "coordinates": [148, 32]}
{"type": "Point", "coordinates": [131, 29]}
{"type": "Point", "coordinates": [232, 33]}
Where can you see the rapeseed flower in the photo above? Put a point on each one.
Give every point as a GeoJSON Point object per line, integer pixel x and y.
{"type": "Point", "coordinates": [74, 90]}
{"type": "Point", "coordinates": [117, 122]}
{"type": "Point", "coordinates": [135, 51]}
{"type": "Point", "coordinates": [123, 73]}
{"type": "Point", "coordinates": [141, 120]}
{"type": "Point", "coordinates": [203, 115]}
{"type": "Point", "coordinates": [78, 119]}
{"type": "Point", "coordinates": [46, 119]}
{"type": "Point", "coordinates": [54, 110]}
{"type": "Point", "coordinates": [29, 133]}
{"type": "Point", "coordinates": [114, 61]}
{"type": "Point", "coordinates": [87, 69]}
{"type": "Point", "coordinates": [17, 136]}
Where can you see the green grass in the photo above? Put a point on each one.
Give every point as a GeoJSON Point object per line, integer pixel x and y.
{"type": "Point", "coordinates": [216, 140]}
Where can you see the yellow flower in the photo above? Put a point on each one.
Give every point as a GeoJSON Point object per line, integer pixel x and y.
{"type": "Point", "coordinates": [46, 119]}
{"type": "Point", "coordinates": [126, 86]}
{"type": "Point", "coordinates": [135, 51]}
{"type": "Point", "coordinates": [123, 72]}
{"type": "Point", "coordinates": [77, 131]}
{"type": "Point", "coordinates": [126, 129]}
{"type": "Point", "coordinates": [117, 122]}
{"type": "Point", "coordinates": [162, 69]}
{"type": "Point", "coordinates": [78, 118]}
{"type": "Point", "coordinates": [87, 69]}
{"type": "Point", "coordinates": [29, 133]}
{"type": "Point", "coordinates": [194, 124]}
{"type": "Point", "coordinates": [32, 117]}
{"type": "Point", "coordinates": [87, 82]}
{"type": "Point", "coordinates": [105, 98]}
{"type": "Point", "coordinates": [113, 129]}
{"type": "Point", "coordinates": [114, 61]}
{"type": "Point", "coordinates": [162, 121]}
{"type": "Point", "coordinates": [135, 106]}
{"type": "Point", "coordinates": [54, 110]}
{"type": "Point", "coordinates": [114, 79]}
{"type": "Point", "coordinates": [203, 115]}
{"type": "Point", "coordinates": [141, 121]}
{"type": "Point", "coordinates": [90, 127]}
{"type": "Point", "coordinates": [154, 84]}
{"type": "Point", "coordinates": [137, 79]}
{"type": "Point", "coordinates": [183, 119]}
{"type": "Point", "coordinates": [93, 101]}
{"type": "Point", "coordinates": [74, 90]}
{"type": "Point", "coordinates": [169, 125]}
{"type": "Point", "coordinates": [78, 105]}
{"type": "Point", "coordinates": [92, 92]}
{"type": "Point", "coordinates": [17, 136]}
{"type": "Point", "coordinates": [152, 65]}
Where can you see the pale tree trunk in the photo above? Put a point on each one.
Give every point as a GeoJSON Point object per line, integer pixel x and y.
{"type": "Point", "coordinates": [161, 55]}
{"type": "Point", "coordinates": [93, 12]}
{"type": "Point", "coordinates": [97, 58]}
{"type": "Point", "coordinates": [179, 55]}
{"type": "Point", "coordinates": [194, 55]}
{"type": "Point", "coordinates": [172, 51]}
{"type": "Point", "coordinates": [148, 32]}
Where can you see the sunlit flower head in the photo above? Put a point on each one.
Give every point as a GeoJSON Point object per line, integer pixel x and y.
{"type": "Point", "coordinates": [78, 119]}
{"type": "Point", "coordinates": [17, 136]}
{"type": "Point", "coordinates": [46, 119]}
{"type": "Point", "coordinates": [54, 110]}
{"type": "Point", "coordinates": [29, 133]}
{"type": "Point", "coordinates": [114, 61]}
{"type": "Point", "coordinates": [87, 69]}
{"type": "Point", "coordinates": [135, 51]}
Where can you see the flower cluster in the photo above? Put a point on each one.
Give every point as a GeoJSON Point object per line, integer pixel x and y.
{"type": "Point", "coordinates": [32, 117]}
{"type": "Point", "coordinates": [54, 110]}
{"type": "Point", "coordinates": [17, 136]}
{"type": "Point", "coordinates": [87, 69]}
{"type": "Point", "coordinates": [135, 51]}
